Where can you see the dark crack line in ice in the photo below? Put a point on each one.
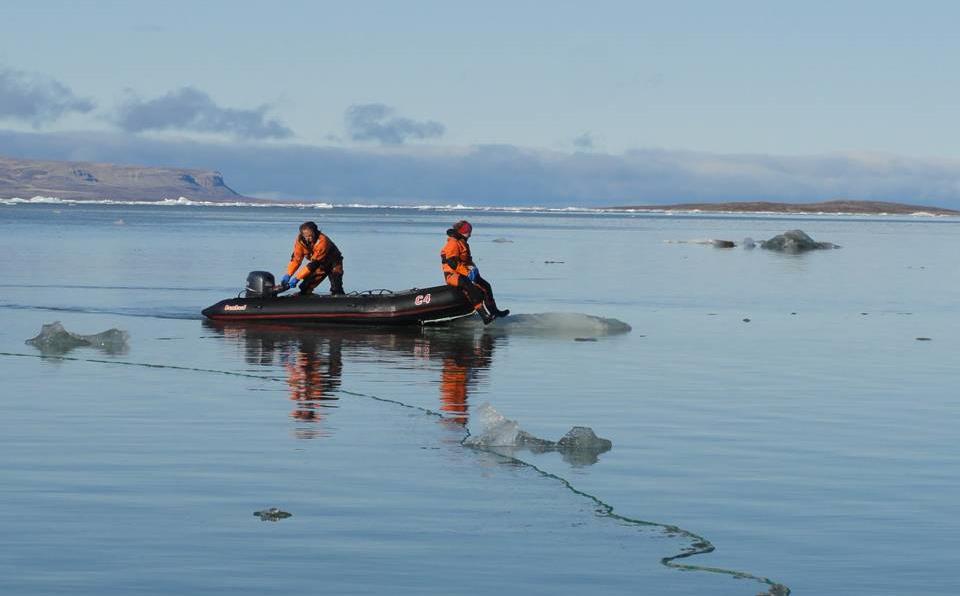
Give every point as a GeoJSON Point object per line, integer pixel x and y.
{"type": "Point", "coordinates": [145, 365]}
{"type": "Point", "coordinates": [89, 287]}
{"type": "Point", "coordinates": [699, 546]}
{"type": "Point", "coordinates": [99, 311]}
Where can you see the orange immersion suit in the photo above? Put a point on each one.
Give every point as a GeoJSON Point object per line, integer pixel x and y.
{"type": "Point", "coordinates": [456, 263]}
{"type": "Point", "coordinates": [323, 259]}
{"type": "Point", "coordinates": [455, 257]}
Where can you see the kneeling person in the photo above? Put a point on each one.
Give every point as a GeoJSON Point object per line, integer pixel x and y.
{"type": "Point", "coordinates": [460, 272]}
{"type": "Point", "coordinates": [323, 259]}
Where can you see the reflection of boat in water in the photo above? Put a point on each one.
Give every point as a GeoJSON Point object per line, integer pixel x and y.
{"type": "Point", "coordinates": [261, 303]}
{"type": "Point", "coordinates": [313, 359]}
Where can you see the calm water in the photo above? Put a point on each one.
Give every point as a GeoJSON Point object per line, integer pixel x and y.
{"type": "Point", "coordinates": [813, 445]}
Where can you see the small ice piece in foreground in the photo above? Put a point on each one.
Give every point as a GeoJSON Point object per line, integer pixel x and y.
{"type": "Point", "coordinates": [54, 339]}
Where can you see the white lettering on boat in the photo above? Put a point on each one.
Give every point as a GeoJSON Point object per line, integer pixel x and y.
{"type": "Point", "coordinates": [235, 307]}
{"type": "Point", "coordinates": [422, 299]}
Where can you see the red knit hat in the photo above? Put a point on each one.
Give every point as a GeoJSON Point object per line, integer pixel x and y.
{"type": "Point", "coordinates": [463, 227]}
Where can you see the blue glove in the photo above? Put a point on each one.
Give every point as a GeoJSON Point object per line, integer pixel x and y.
{"type": "Point", "coordinates": [474, 274]}
{"type": "Point", "coordinates": [292, 282]}
{"type": "Point", "coordinates": [285, 280]}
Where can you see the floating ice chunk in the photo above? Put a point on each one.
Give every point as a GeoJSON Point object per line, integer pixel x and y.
{"type": "Point", "coordinates": [549, 324]}
{"type": "Point", "coordinates": [492, 431]}
{"type": "Point", "coordinates": [272, 514]}
{"type": "Point", "coordinates": [558, 324]}
{"type": "Point", "coordinates": [794, 241]}
{"type": "Point", "coordinates": [54, 339]}
{"type": "Point", "coordinates": [581, 446]}
{"type": "Point", "coordinates": [490, 428]}
{"type": "Point", "coordinates": [583, 437]}
{"type": "Point", "coordinates": [706, 241]}
{"type": "Point", "coordinates": [694, 241]}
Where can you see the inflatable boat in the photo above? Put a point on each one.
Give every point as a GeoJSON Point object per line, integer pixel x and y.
{"type": "Point", "coordinates": [261, 302]}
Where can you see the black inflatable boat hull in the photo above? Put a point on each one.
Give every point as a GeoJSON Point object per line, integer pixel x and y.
{"type": "Point", "coordinates": [409, 307]}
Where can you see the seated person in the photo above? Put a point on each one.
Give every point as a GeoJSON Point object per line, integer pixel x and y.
{"type": "Point", "coordinates": [460, 272]}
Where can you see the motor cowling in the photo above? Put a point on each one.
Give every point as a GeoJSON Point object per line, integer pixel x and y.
{"type": "Point", "coordinates": [260, 284]}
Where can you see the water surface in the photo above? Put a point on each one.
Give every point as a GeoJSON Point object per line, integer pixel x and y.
{"type": "Point", "coordinates": [812, 444]}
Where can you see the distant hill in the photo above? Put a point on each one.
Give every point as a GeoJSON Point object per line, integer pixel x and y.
{"type": "Point", "coordinates": [861, 207]}
{"type": "Point", "coordinates": [96, 181]}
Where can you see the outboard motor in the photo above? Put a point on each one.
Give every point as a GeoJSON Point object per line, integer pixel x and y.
{"type": "Point", "coordinates": [260, 284]}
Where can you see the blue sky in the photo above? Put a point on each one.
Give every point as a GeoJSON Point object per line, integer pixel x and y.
{"type": "Point", "coordinates": [739, 97]}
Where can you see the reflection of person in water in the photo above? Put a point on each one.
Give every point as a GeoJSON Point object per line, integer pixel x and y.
{"type": "Point", "coordinates": [461, 363]}
{"type": "Point", "coordinates": [313, 374]}
{"type": "Point", "coordinates": [313, 364]}
{"type": "Point", "coordinates": [313, 361]}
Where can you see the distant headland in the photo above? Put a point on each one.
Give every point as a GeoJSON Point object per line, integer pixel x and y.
{"type": "Point", "coordinates": [87, 181]}
{"type": "Point", "coordinates": [836, 207]}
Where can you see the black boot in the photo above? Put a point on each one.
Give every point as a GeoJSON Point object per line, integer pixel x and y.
{"type": "Point", "coordinates": [492, 307]}
{"type": "Point", "coordinates": [336, 285]}
{"type": "Point", "coordinates": [485, 314]}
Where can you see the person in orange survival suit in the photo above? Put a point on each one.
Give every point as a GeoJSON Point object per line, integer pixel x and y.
{"type": "Point", "coordinates": [460, 272]}
{"type": "Point", "coordinates": [323, 259]}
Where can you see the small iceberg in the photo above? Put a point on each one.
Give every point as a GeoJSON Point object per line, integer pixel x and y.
{"type": "Point", "coordinates": [794, 241]}
{"type": "Point", "coordinates": [492, 431]}
{"type": "Point", "coordinates": [54, 339]}
{"type": "Point", "coordinates": [551, 325]}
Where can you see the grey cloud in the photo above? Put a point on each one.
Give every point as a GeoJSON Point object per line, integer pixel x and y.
{"type": "Point", "coordinates": [584, 141]}
{"type": "Point", "coordinates": [376, 122]}
{"type": "Point", "coordinates": [510, 175]}
{"type": "Point", "coordinates": [190, 109]}
{"type": "Point", "coordinates": [37, 99]}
